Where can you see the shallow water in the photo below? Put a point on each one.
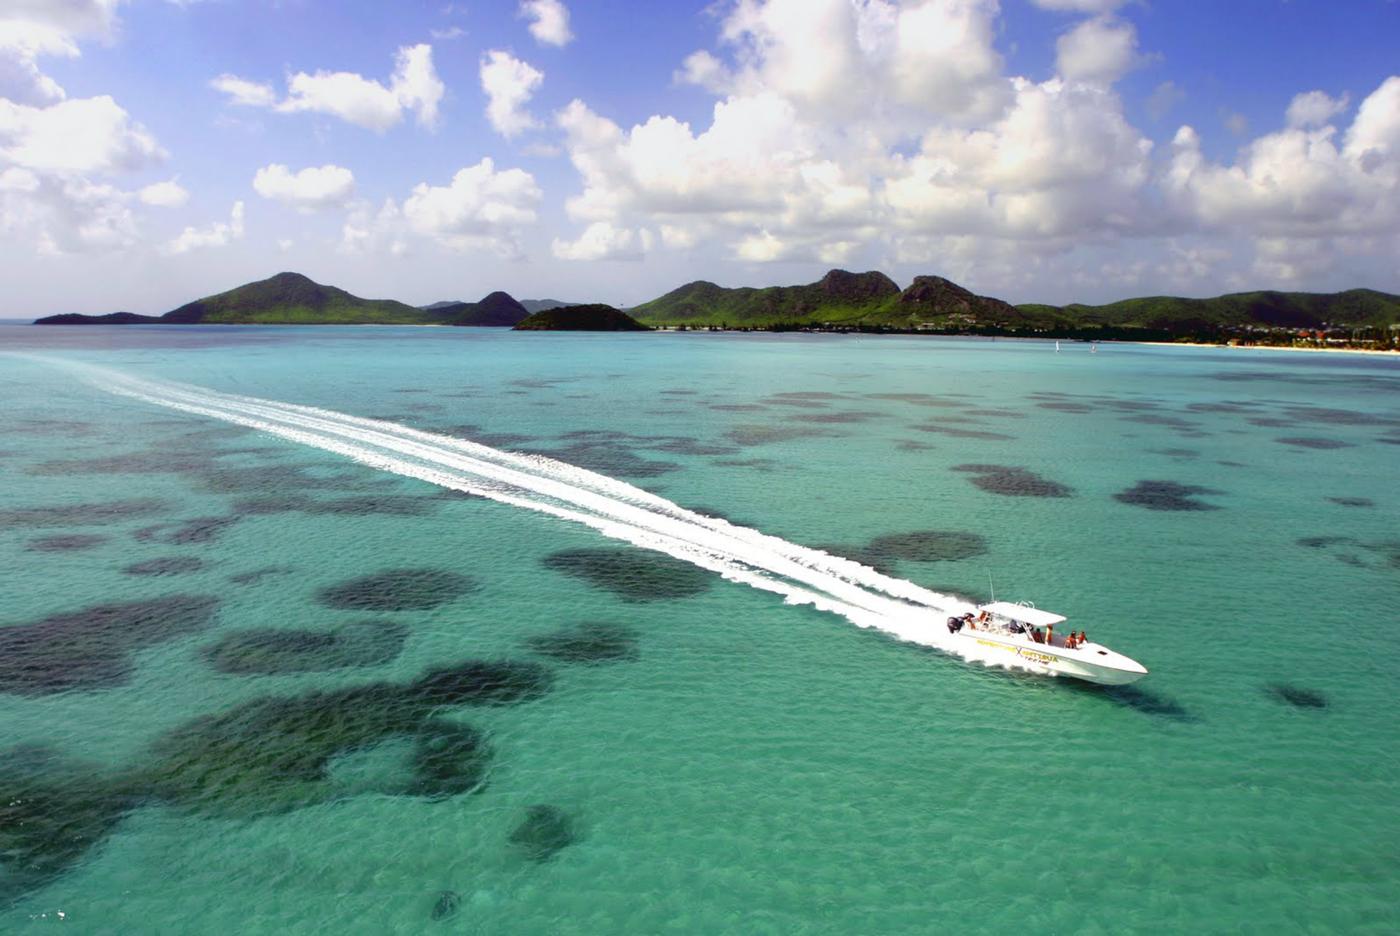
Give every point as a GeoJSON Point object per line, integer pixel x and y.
{"type": "Point", "coordinates": [740, 764]}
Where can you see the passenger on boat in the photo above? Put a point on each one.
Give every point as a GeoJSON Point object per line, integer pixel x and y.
{"type": "Point", "coordinates": [1082, 639]}
{"type": "Point", "coordinates": [1037, 636]}
{"type": "Point", "coordinates": [1070, 642]}
{"type": "Point", "coordinates": [1050, 634]}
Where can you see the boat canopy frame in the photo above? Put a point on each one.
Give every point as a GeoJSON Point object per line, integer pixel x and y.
{"type": "Point", "coordinates": [1023, 613]}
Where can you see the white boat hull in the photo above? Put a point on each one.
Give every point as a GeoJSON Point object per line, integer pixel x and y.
{"type": "Point", "coordinates": [1091, 662]}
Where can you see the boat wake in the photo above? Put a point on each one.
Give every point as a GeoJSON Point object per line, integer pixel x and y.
{"type": "Point", "coordinates": [863, 596]}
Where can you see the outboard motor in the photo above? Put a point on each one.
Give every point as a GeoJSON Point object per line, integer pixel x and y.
{"type": "Point", "coordinates": [955, 624]}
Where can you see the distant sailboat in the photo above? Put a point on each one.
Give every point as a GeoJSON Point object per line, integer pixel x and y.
{"type": "Point", "coordinates": [1057, 346]}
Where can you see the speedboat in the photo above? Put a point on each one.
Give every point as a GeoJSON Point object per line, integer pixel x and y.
{"type": "Point", "coordinates": [1023, 636]}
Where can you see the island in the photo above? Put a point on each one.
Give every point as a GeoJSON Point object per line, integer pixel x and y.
{"type": "Point", "coordinates": [841, 301]}
{"type": "Point", "coordinates": [593, 317]}
{"type": "Point", "coordinates": [295, 299]}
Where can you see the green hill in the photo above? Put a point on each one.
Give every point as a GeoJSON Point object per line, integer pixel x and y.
{"type": "Point", "coordinates": [935, 304]}
{"type": "Point", "coordinates": [839, 296]}
{"type": "Point", "coordinates": [293, 299]}
{"type": "Point", "coordinates": [1355, 308]}
{"type": "Point", "coordinates": [596, 317]}
{"type": "Point", "coordinates": [497, 310]}
{"type": "Point", "coordinates": [839, 299]}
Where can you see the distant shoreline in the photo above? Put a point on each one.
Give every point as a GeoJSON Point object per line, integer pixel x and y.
{"type": "Point", "coordinates": [1377, 352]}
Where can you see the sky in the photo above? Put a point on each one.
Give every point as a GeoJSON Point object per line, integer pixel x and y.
{"type": "Point", "coordinates": [154, 151]}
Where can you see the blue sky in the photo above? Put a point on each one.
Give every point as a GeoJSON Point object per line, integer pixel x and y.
{"type": "Point", "coordinates": [1049, 150]}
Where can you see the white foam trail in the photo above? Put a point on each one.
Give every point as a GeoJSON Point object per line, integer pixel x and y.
{"type": "Point", "coordinates": [614, 508]}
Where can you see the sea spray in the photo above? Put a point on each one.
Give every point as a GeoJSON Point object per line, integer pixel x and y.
{"type": "Point", "coordinates": [612, 507]}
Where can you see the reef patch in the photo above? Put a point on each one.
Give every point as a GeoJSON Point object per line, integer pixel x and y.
{"type": "Point", "coordinates": [1167, 495]}
{"type": "Point", "coordinates": [631, 574]}
{"type": "Point", "coordinates": [588, 643]}
{"type": "Point", "coordinates": [1013, 481]}
{"type": "Point", "coordinates": [543, 833]}
{"type": "Point", "coordinates": [397, 590]}
{"type": "Point", "coordinates": [270, 651]}
{"type": "Point", "coordinates": [91, 648]}
{"type": "Point", "coordinates": [1297, 696]}
{"type": "Point", "coordinates": [165, 565]}
{"type": "Point", "coordinates": [65, 542]}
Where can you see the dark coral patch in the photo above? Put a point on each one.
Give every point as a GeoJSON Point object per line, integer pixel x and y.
{"type": "Point", "coordinates": [928, 546]}
{"type": "Point", "coordinates": [738, 407]}
{"type": "Point", "coordinates": [1297, 696]}
{"type": "Point", "coordinates": [165, 565]}
{"type": "Point", "coordinates": [273, 755]}
{"type": "Point", "coordinates": [394, 505]}
{"type": "Point", "coordinates": [1176, 452]}
{"type": "Point", "coordinates": [92, 648]}
{"type": "Point", "coordinates": [1314, 443]}
{"type": "Point", "coordinates": [1166, 495]}
{"type": "Point", "coordinates": [82, 514]}
{"type": "Point", "coordinates": [449, 759]}
{"type": "Point", "coordinates": [262, 480]}
{"type": "Point", "coordinates": [1353, 501]}
{"type": "Point", "coordinates": [544, 832]}
{"type": "Point", "coordinates": [272, 504]}
{"type": "Point", "coordinates": [918, 399]}
{"type": "Point", "coordinates": [65, 542]}
{"type": "Point", "coordinates": [750, 436]}
{"type": "Point", "coordinates": [257, 575]}
{"type": "Point", "coordinates": [610, 458]}
{"type": "Point", "coordinates": [757, 464]}
{"type": "Point", "coordinates": [631, 574]}
{"type": "Point", "coordinates": [797, 402]}
{"type": "Point", "coordinates": [588, 643]}
{"type": "Point", "coordinates": [482, 682]}
{"type": "Point", "coordinates": [942, 428]}
{"type": "Point", "coordinates": [197, 532]}
{"type": "Point", "coordinates": [155, 461]}
{"type": "Point", "coordinates": [1012, 481]}
{"type": "Point", "coordinates": [397, 590]}
{"type": "Point", "coordinates": [836, 417]}
{"type": "Point", "coordinates": [270, 651]}
{"type": "Point", "coordinates": [51, 814]}
{"type": "Point", "coordinates": [446, 906]}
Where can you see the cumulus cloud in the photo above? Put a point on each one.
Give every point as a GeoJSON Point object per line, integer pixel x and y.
{"type": "Point", "coordinates": [1099, 50]}
{"type": "Point", "coordinates": [480, 208]}
{"type": "Point", "coordinates": [1079, 6]}
{"type": "Point", "coordinates": [1164, 97]}
{"type": "Point", "coordinates": [167, 194]}
{"type": "Point", "coordinates": [1302, 194]}
{"type": "Point", "coordinates": [52, 146]}
{"type": "Point", "coordinates": [21, 45]}
{"type": "Point", "coordinates": [601, 241]}
{"type": "Point", "coordinates": [414, 87]}
{"type": "Point", "coordinates": [87, 135]}
{"type": "Point", "coordinates": [65, 215]}
{"type": "Point", "coordinates": [509, 84]}
{"type": "Point", "coordinates": [218, 234]}
{"type": "Point", "coordinates": [1314, 109]}
{"type": "Point", "coordinates": [1062, 162]}
{"type": "Point", "coordinates": [834, 59]}
{"type": "Point", "coordinates": [245, 93]}
{"type": "Point", "coordinates": [549, 21]}
{"type": "Point", "coordinates": [312, 189]}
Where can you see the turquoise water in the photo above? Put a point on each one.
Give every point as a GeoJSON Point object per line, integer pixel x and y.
{"type": "Point", "coordinates": [734, 763]}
